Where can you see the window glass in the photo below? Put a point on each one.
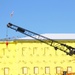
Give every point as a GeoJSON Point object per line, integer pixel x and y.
{"type": "Point", "coordinates": [36, 70]}
{"type": "Point", "coordinates": [58, 69]}
{"type": "Point", "coordinates": [6, 71]}
{"type": "Point", "coordinates": [25, 70]}
{"type": "Point", "coordinates": [47, 70]}
{"type": "Point", "coordinates": [69, 69]}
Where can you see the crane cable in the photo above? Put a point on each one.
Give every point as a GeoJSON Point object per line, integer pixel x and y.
{"type": "Point", "coordinates": [7, 39]}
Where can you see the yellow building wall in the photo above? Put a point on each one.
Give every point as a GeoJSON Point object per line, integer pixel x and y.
{"type": "Point", "coordinates": [31, 57]}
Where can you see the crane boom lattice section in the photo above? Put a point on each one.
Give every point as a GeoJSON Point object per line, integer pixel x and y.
{"type": "Point", "coordinates": [57, 45]}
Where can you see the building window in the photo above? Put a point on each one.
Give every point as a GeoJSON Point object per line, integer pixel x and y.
{"type": "Point", "coordinates": [47, 70]}
{"type": "Point", "coordinates": [6, 71]}
{"type": "Point", "coordinates": [69, 69]}
{"type": "Point", "coordinates": [24, 70]}
{"type": "Point", "coordinates": [36, 70]}
{"type": "Point", "coordinates": [58, 70]}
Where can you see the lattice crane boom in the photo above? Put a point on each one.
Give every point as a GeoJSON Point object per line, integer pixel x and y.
{"type": "Point", "coordinates": [57, 45]}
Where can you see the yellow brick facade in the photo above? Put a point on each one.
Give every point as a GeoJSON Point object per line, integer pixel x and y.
{"type": "Point", "coordinates": [30, 57]}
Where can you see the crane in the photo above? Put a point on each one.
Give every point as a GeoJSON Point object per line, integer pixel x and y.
{"type": "Point", "coordinates": [69, 50]}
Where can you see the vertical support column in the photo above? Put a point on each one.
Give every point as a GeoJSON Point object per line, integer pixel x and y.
{"type": "Point", "coordinates": [3, 51]}
{"type": "Point", "coordinates": [23, 49]}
